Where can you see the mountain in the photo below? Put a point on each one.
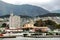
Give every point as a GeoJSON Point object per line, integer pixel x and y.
{"type": "Point", "coordinates": [50, 15]}
{"type": "Point", "coordinates": [22, 16]}
{"type": "Point", "coordinates": [56, 11]}
{"type": "Point", "coordinates": [25, 9]}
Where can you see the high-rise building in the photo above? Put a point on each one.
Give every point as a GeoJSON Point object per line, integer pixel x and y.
{"type": "Point", "coordinates": [14, 21]}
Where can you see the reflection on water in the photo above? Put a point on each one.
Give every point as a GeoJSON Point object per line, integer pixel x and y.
{"type": "Point", "coordinates": [23, 38]}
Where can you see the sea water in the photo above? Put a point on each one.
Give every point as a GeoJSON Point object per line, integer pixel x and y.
{"type": "Point", "coordinates": [26, 38]}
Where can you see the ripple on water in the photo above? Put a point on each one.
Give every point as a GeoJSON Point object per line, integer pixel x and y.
{"type": "Point", "coordinates": [24, 38]}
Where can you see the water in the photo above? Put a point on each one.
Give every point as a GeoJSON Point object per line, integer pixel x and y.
{"type": "Point", "coordinates": [23, 38]}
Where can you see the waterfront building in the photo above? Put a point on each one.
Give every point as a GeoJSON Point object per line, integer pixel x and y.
{"type": "Point", "coordinates": [13, 30]}
{"type": "Point", "coordinates": [29, 24]}
{"type": "Point", "coordinates": [14, 21]}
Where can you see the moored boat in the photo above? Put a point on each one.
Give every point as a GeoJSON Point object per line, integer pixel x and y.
{"type": "Point", "coordinates": [7, 36]}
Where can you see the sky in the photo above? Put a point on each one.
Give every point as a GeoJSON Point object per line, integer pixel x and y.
{"type": "Point", "coordinates": [47, 4]}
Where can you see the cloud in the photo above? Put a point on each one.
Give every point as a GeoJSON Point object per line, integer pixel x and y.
{"type": "Point", "coordinates": [54, 5]}
{"type": "Point", "coordinates": [26, 1]}
{"type": "Point", "coordinates": [47, 4]}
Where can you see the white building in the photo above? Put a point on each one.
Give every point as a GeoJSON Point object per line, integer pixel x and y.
{"type": "Point", "coordinates": [14, 21]}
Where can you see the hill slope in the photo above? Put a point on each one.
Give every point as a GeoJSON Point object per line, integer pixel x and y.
{"type": "Point", "coordinates": [24, 9]}
{"type": "Point", "coordinates": [50, 15]}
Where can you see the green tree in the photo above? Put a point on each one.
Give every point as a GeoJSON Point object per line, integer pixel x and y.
{"type": "Point", "coordinates": [4, 25]}
{"type": "Point", "coordinates": [39, 23]}
{"type": "Point", "coordinates": [50, 22]}
{"type": "Point", "coordinates": [58, 26]}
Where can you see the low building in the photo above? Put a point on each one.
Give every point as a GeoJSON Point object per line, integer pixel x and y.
{"type": "Point", "coordinates": [41, 29]}
{"type": "Point", "coordinates": [28, 25]}
{"type": "Point", "coordinates": [31, 27]}
{"type": "Point", "coordinates": [13, 30]}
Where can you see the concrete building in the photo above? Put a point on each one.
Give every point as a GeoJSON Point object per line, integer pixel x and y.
{"type": "Point", "coordinates": [14, 21]}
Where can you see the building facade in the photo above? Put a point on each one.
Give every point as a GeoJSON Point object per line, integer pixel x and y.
{"type": "Point", "coordinates": [14, 21]}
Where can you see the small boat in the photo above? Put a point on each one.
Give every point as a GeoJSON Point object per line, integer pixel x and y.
{"type": "Point", "coordinates": [2, 36]}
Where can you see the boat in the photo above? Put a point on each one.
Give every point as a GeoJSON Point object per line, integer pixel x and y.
{"type": "Point", "coordinates": [41, 36]}
{"type": "Point", "coordinates": [6, 36]}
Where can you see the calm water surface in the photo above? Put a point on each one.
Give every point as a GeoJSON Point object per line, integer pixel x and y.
{"type": "Point", "coordinates": [23, 38]}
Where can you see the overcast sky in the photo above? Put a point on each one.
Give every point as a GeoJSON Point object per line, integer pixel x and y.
{"type": "Point", "coordinates": [47, 4]}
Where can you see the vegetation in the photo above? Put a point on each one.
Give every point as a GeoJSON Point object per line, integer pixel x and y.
{"type": "Point", "coordinates": [51, 23]}
{"type": "Point", "coordinates": [4, 25]}
{"type": "Point", "coordinates": [41, 23]}
{"type": "Point", "coordinates": [58, 26]}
